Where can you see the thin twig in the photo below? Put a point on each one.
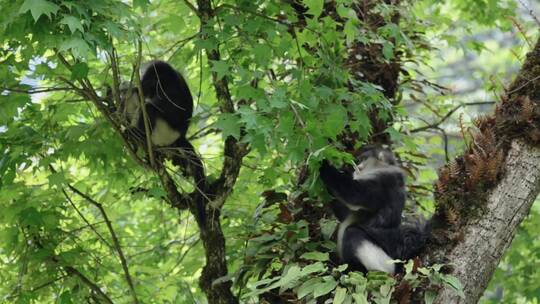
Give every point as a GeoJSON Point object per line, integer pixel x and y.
{"type": "Point", "coordinates": [142, 106]}
{"type": "Point", "coordinates": [178, 45]}
{"type": "Point", "coordinates": [531, 12]}
{"type": "Point", "coordinates": [48, 283]}
{"type": "Point", "coordinates": [72, 271]}
{"type": "Point", "coordinates": [36, 90]}
{"type": "Point", "coordinates": [523, 85]}
{"type": "Point", "coordinates": [255, 13]}
{"type": "Point", "coordinates": [116, 242]}
{"type": "Point", "coordinates": [82, 215]}
{"type": "Point", "coordinates": [116, 77]}
{"type": "Point", "coordinates": [521, 30]}
{"type": "Point", "coordinates": [436, 124]}
{"type": "Point", "coordinates": [192, 7]}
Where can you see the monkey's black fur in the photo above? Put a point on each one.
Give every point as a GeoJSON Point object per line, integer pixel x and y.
{"type": "Point", "coordinates": [369, 204]}
{"type": "Point", "coordinates": [169, 107]}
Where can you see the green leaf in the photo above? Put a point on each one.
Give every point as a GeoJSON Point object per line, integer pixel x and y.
{"type": "Point", "coordinates": [335, 121]}
{"type": "Point", "coordinates": [429, 296]}
{"type": "Point", "coordinates": [290, 278]}
{"type": "Point", "coordinates": [228, 123]}
{"type": "Point", "coordinates": [455, 284]}
{"type": "Point", "coordinates": [308, 287]}
{"type": "Point", "coordinates": [315, 256]}
{"type": "Point", "coordinates": [326, 287]}
{"type": "Point", "coordinates": [157, 192]}
{"type": "Point", "coordinates": [360, 298]}
{"type": "Point", "coordinates": [279, 98]}
{"type": "Point", "coordinates": [57, 179]}
{"type": "Point", "coordinates": [65, 298]}
{"type": "Point", "coordinates": [141, 3]}
{"type": "Point", "coordinates": [31, 216]}
{"type": "Point", "coordinates": [312, 268]}
{"type": "Point", "coordinates": [249, 117]}
{"type": "Point", "coordinates": [339, 297]}
{"type": "Point", "coordinates": [79, 71]}
{"type": "Point", "coordinates": [351, 31]}
{"type": "Point", "coordinates": [78, 46]}
{"type": "Point", "coordinates": [38, 8]}
{"type": "Point", "coordinates": [262, 54]}
{"type": "Point", "coordinates": [327, 227]}
{"type": "Point", "coordinates": [315, 7]}
{"type": "Point", "coordinates": [388, 50]}
{"type": "Point", "coordinates": [221, 68]}
{"type": "Point", "coordinates": [10, 106]}
{"type": "Point", "coordinates": [73, 23]}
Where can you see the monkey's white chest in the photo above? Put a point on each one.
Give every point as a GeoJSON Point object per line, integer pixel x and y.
{"type": "Point", "coordinates": [163, 134]}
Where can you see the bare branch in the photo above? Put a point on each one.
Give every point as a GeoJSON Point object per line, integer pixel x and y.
{"type": "Point", "coordinates": [436, 124]}
{"type": "Point", "coordinates": [36, 90]}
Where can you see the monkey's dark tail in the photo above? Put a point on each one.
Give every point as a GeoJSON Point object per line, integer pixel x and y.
{"type": "Point", "coordinates": [415, 235]}
{"type": "Point", "coordinates": [191, 161]}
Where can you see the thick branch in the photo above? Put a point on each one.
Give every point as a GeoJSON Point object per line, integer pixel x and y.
{"type": "Point", "coordinates": [233, 150]}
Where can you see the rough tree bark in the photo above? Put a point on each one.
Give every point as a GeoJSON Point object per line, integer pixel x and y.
{"type": "Point", "coordinates": [485, 236]}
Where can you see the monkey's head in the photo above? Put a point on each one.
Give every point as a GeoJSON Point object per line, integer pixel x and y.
{"type": "Point", "coordinates": [373, 158]}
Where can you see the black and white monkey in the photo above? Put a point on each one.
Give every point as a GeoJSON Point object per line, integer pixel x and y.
{"type": "Point", "coordinates": [368, 204]}
{"type": "Point", "coordinates": [169, 106]}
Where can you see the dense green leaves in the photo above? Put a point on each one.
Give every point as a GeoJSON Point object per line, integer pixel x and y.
{"type": "Point", "coordinates": [39, 8]}
{"type": "Point", "coordinates": [294, 95]}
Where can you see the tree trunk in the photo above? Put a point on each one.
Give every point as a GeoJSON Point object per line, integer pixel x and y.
{"type": "Point", "coordinates": [216, 263]}
{"type": "Point", "coordinates": [486, 238]}
{"type": "Point", "coordinates": [483, 237]}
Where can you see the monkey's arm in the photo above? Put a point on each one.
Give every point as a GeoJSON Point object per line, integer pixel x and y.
{"type": "Point", "coordinates": [367, 194]}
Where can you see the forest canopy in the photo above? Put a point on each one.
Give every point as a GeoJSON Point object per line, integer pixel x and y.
{"type": "Point", "coordinates": [90, 216]}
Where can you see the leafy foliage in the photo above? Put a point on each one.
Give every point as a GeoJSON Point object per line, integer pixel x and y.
{"type": "Point", "coordinates": [295, 96]}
